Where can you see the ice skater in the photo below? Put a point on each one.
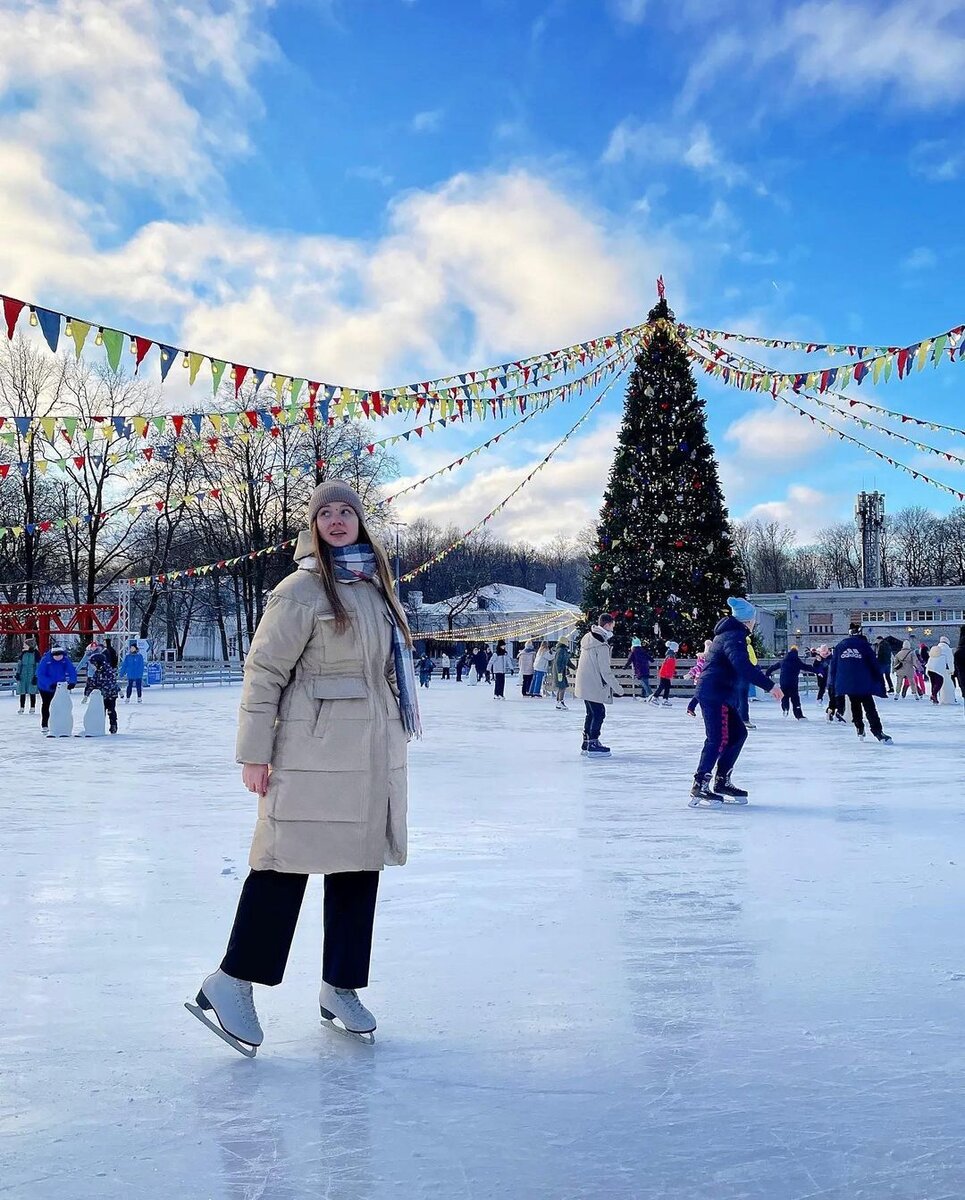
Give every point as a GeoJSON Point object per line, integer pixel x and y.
{"type": "Point", "coordinates": [596, 684]}
{"type": "Point", "coordinates": [541, 666]}
{"type": "Point", "coordinates": [884, 654]}
{"type": "Point", "coordinates": [695, 673]}
{"type": "Point", "coordinates": [790, 668]}
{"type": "Point", "coordinates": [26, 676]}
{"type": "Point", "coordinates": [941, 667]}
{"type": "Point", "coordinates": [821, 664]}
{"type": "Point", "coordinates": [103, 678]}
{"type": "Point", "coordinates": [499, 669]}
{"type": "Point", "coordinates": [132, 669]}
{"type": "Point", "coordinates": [856, 674]}
{"type": "Point", "coordinates": [727, 672]}
{"type": "Point", "coordinates": [561, 667]}
{"type": "Point", "coordinates": [53, 669]}
{"type": "Point", "coordinates": [639, 662]}
{"type": "Point", "coordinates": [426, 666]}
{"type": "Point", "coordinates": [328, 703]}
{"type": "Point", "coordinates": [527, 666]}
{"type": "Point", "coordinates": [668, 669]}
{"type": "Point", "coordinates": [445, 665]}
{"type": "Point", "coordinates": [906, 671]}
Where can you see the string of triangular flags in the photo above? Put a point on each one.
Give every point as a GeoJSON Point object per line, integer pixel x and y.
{"type": "Point", "coordinates": [756, 368]}
{"type": "Point", "coordinates": [329, 400]}
{"type": "Point", "coordinates": [850, 416]}
{"type": "Point", "coordinates": [437, 558]}
{"type": "Point", "coordinates": [878, 367]}
{"type": "Point", "coordinates": [778, 395]}
{"type": "Point", "coordinates": [208, 568]}
{"type": "Point", "coordinates": [949, 338]}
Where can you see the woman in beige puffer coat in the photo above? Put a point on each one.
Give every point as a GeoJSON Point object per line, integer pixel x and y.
{"type": "Point", "coordinates": [322, 737]}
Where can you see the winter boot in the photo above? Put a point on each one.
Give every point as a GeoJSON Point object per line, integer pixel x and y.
{"type": "Point", "coordinates": [586, 742]}
{"type": "Point", "coordinates": [730, 792]}
{"type": "Point", "coordinates": [702, 796]}
{"type": "Point", "coordinates": [596, 749]}
{"type": "Point", "coordinates": [884, 739]}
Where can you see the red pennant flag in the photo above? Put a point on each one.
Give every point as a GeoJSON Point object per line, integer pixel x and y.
{"type": "Point", "coordinates": [178, 422]}
{"type": "Point", "coordinates": [371, 448]}
{"type": "Point", "coordinates": [141, 347]}
{"type": "Point", "coordinates": [239, 373]}
{"type": "Point", "coordinates": [252, 418]}
{"type": "Point", "coordinates": [213, 443]}
{"type": "Point", "coordinates": [419, 405]}
{"type": "Point", "coordinates": [4, 468]}
{"type": "Point", "coordinates": [903, 356]}
{"type": "Point", "coordinates": [365, 407]}
{"type": "Point", "coordinates": [159, 505]}
{"type": "Point", "coordinates": [419, 430]}
{"type": "Point", "coordinates": [148, 452]}
{"type": "Point", "coordinates": [216, 495]}
{"type": "Point", "coordinates": [11, 313]}
{"type": "Point", "coordinates": [274, 431]}
{"type": "Point", "coordinates": [320, 463]}
{"type": "Point", "coordinates": [377, 403]}
{"type": "Point", "coordinates": [45, 526]}
{"type": "Point", "coordinates": [79, 462]}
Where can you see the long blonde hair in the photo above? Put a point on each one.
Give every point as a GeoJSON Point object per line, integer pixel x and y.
{"type": "Point", "coordinates": [326, 571]}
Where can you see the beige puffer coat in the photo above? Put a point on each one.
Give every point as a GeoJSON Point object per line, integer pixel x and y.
{"type": "Point", "coordinates": [595, 680]}
{"type": "Point", "coordinates": [321, 708]}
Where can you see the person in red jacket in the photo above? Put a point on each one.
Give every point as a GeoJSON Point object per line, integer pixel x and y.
{"type": "Point", "coordinates": [668, 668]}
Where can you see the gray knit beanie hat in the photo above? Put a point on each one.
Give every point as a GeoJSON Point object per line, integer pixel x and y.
{"type": "Point", "coordinates": [334, 491]}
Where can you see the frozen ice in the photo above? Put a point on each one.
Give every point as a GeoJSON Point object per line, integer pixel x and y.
{"type": "Point", "coordinates": [584, 987]}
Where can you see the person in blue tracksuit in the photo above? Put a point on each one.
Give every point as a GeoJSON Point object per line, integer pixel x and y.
{"type": "Point", "coordinates": [791, 667]}
{"type": "Point", "coordinates": [132, 669]}
{"type": "Point", "coordinates": [856, 673]}
{"type": "Point", "coordinates": [54, 668]}
{"type": "Point", "coordinates": [728, 670]}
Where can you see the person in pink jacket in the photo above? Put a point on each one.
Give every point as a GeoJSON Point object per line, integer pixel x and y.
{"type": "Point", "coordinates": [668, 668]}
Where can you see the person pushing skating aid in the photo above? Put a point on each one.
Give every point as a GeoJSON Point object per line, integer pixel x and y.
{"type": "Point", "coordinates": [727, 670]}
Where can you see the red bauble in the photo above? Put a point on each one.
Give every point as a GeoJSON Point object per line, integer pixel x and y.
{"type": "Point", "coordinates": [629, 614]}
{"type": "Point", "coordinates": [664, 407]}
{"type": "Point", "coordinates": [679, 545]}
{"type": "Point", "coordinates": [614, 615]}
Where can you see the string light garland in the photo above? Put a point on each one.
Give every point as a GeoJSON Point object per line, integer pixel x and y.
{"type": "Point", "coordinates": [564, 619]}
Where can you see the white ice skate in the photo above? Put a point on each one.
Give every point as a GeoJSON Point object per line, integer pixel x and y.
{"type": "Point", "coordinates": [343, 1011]}
{"type": "Point", "coordinates": [231, 1001]}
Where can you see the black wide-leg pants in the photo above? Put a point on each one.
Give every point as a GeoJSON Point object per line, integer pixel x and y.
{"type": "Point", "coordinates": [264, 927]}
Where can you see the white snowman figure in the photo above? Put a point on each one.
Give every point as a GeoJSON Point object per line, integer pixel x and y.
{"type": "Point", "coordinates": [61, 722]}
{"type": "Point", "coordinates": [94, 716]}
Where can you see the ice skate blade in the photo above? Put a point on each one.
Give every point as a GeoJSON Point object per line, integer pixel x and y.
{"type": "Point", "coordinates": [241, 1047]}
{"type": "Point", "coordinates": [333, 1023]}
{"type": "Point", "coordinates": [704, 802]}
{"type": "Point", "coordinates": [734, 800]}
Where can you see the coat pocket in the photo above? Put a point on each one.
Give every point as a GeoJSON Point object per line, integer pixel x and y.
{"type": "Point", "coordinates": [338, 649]}
{"type": "Point", "coordinates": [343, 730]}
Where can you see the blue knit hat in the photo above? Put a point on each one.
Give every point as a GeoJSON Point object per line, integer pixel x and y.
{"type": "Point", "coordinates": [634, 642]}
{"type": "Point", "coordinates": [742, 609]}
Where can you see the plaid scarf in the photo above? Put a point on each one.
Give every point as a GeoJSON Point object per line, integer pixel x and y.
{"type": "Point", "coordinates": [355, 564]}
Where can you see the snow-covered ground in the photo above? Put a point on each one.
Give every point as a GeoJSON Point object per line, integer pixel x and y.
{"type": "Point", "coordinates": [584, 988]}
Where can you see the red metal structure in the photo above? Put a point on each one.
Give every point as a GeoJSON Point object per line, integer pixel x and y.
{"type": "Point", "coordinates": [45, 620]}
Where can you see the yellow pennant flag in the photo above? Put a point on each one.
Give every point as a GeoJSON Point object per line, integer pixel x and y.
{"type": "Point", "coordinates": [194, 365]}
{"type": "Point", "coordinates": [216, 420]}
{"type": "Point", "coordinates": [141, 426]}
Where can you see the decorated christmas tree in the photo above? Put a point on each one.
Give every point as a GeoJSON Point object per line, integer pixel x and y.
{"type": "Point", "coordinates": [664, 564]}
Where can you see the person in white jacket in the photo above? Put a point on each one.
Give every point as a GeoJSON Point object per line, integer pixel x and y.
{"type": "Point", "coordinates": [596, 683]}
{"type": "Point", "coordinates": [540, 667]}
{"type": "Point", "coordinates": [499, 665]}
{"type": "Point", "coordinates": [527, 661]}
{"type": "Point", "coordinates": [941, 667]}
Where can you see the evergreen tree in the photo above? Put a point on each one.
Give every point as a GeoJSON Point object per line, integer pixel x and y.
{"type": "Point", "coordinates": [665, 562]}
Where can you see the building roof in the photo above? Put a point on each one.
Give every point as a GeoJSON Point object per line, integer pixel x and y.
{"type": "Point", "coordinates": [501, 598]}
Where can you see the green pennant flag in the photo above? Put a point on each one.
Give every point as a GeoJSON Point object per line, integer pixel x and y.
{"type": "Point", "coordinates": [89, 434]}
{"type": "Point", "coordinates": [70, 424]}
{"type": "Point", "coordinates": [232, 419]}
{"type": "Point", "coordinates": [939, 350]}
{"type": "Point", "coordinates": [79, 331]}
{"type": "Point", "coordinates": [296, 388]}
{"type": "Point", "coordinates": [113, 344]}
{"type": "Point", "coordinates": [159, 423]}
{"type": "Point", "coordinates": [217, 370]}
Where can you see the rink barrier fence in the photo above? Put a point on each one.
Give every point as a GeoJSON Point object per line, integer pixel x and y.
{"type": "Point", "coordinates": [190, 673]}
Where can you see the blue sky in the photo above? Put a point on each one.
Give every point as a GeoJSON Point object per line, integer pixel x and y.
{"type": "Point", "coordinates": [375, 191]}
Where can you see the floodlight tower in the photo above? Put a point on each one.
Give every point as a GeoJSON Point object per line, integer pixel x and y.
{"type": "Point", "coordinates": [869, 512]}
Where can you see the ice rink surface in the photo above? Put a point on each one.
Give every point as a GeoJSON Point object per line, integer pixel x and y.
{"type": "Point", "coordinates": [583, 987]}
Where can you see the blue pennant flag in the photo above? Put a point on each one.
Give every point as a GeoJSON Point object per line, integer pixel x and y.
{"type": "Point", "coordinates": [120, 426]}
{"type": "Point", "coordinates": [50, 324]}
{"type": "Point", "coordinates": [30, 528]}
{"type": "Point", "coordinates": [23, 425]}
{"type": "Point", "coordinates": [168, 355]}
{"type": "Point", "coordinates": [259, 379]}
{"type": "Point", "coordinates": [196, 419]}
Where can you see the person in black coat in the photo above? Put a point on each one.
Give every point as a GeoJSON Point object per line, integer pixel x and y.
{"type": "Point", "coordinates": [855, 673]}
{"type": "Point", "coordinates": [959, 657]}
{"type": "Point", "coordinates": [727, 672]}
{"type": "Point", "coordinates": [821, 663]}
{"type": "Point", "coordinates": [791, 667]}
{"type": "Point", "coordinates": [884, 654]}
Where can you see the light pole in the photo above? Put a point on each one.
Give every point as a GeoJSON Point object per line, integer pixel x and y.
{"type": "Point", "coordinates": [398, 526]}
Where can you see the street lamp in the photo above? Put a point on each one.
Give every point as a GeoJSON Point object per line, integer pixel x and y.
{"type": "Point", "coordinates": [398, 526]}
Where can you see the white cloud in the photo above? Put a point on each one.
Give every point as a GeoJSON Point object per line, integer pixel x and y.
{"type": "Point", "coordinates": [426, 122]}
{"type": "Point", "coordinates": [774, 435]}
{"type": "Point", "coordinates": [922, 258]}
{"type": "Point", "coordinates": [804, 508]}
{"type": "Point", "coordinates": [562, 498]}
{"type": "Point", "coordinates": [911, 50]}
{"type": "Point", "coordinates": [632, 12]}
{"type": "Point", "coordinates": [694, 148]}
{"type": "Point", "coordinates": [104, 82]}
{"type": "Point", "coordinates": [940, 161]}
